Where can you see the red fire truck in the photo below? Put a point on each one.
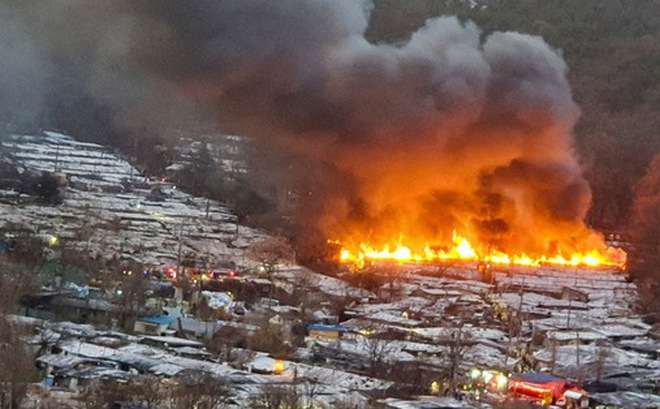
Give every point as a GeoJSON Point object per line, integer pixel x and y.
{"type": "Point", "coordinates": [548, 389]}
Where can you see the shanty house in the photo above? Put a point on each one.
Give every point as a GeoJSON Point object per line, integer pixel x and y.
{"type": "Point", "coordinates": [328, 331]}
{"type": "Point", "coordinates": [153, 325]}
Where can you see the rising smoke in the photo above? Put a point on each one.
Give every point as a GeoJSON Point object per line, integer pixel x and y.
{"type": "Point", "coordinates": [76, 62]}
{"type": "Point", "coordinates": [22, 71]}
{"type": "Point", "coordinates": [452, 130]}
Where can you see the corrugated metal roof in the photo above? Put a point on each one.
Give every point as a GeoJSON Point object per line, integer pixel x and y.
{"type": "Point", "coordinates": [322, 327]}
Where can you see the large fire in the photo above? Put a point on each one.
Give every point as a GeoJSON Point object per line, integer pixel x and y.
{"type": "Point", "coordinates": [461, 249]}
{"type": "Point", "coordinates": [389, 148]}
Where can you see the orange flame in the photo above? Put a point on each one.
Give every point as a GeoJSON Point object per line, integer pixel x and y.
{"type": "Point", "coordinates": [462, 250]}
{"type": "Point", "coordinates": [278, 367]}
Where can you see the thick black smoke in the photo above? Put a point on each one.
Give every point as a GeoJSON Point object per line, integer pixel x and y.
{"type": "Point", "coordinates": [77, 61]}
{"type": "Point", "coordinates": [22, 73]}
{"type": "Point", "coordinates": [448, 131]}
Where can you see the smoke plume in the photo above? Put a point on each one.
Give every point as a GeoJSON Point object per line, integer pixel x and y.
{"type": "Point", "coordinates": [22, 71]}
{"type": "Point", "coordinates": [78, 63]}
{"type": "Point", "coordinates": [451, 130]}
{"type": "Point", "coordinates": [447, 131]}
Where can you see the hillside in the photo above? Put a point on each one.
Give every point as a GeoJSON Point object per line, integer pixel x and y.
{"type": "Point", "coordinates": [111, 212]}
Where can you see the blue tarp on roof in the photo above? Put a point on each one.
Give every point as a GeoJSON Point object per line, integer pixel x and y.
{"type": "Point", "coordinates": [321, 327]}
{"type": "Point", "coordinates": [160, 320]}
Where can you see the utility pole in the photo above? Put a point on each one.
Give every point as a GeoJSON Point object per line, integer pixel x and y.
{"type": "Point", "coordinates": [513, 330]}
{"type": "Point", "coordinates": [178, 252]}
{"type": "Point", "coordinates": [519, 319]}
{"type": "Point", "coordinates": [518, 312]}
{"type": "Point", "coordinates": [57, 158]}
{"type": "Point", "coordinates": [577, 332]}
{"type": "Point", "coordinates": [570, 302]}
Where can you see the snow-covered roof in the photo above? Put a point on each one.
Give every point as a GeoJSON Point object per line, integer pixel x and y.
{"type": "Point", "coordinates": [475, 333]}
{"type": "Point", "coordinates": [427, 403]}
{"type": "Point", "coordinates": [261, 364]}
{"type": "Point", "coordinates": [60, 361]}
{"type": "Point", "coordinates": [390, 318]}
{"type": "Point", "coordinates": [174, 341]}
{"type": "Point", "coordinates": [572, 356]}
{"type": "Point", "coordinates": [621, 330]}
{"type": "Point", "coordinates": [145, 231]}
{"type": "Point", "coordinates": [206, 329]}
{"type": "Point", "coordinates": [441, 292]}
{"type": "Point", "coordinates": [567, 335]}
{"type": "Point", "coordinates": [628, 399]}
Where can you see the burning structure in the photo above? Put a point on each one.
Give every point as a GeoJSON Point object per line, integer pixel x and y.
{"type": "Point", "coordinates": [452, 144]}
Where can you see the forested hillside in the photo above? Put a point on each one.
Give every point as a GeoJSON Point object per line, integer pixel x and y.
{"type": "Point", "coordinates": [612, 48]}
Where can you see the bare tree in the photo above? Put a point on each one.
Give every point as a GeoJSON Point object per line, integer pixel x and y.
{"type": "Point", "coordinates": [377, 349]}
{"type": "Point", "coordinates": [553, 354]}
{"type": "Point", "coordinates": [132, 296]}
{"type": "Point", "coordinates": [225, 340]}
{"type": "Point", "coordinates": [457, 347]}
{"type": "Point", "coordinates": [394, 286]}
{"type": "Point", "coordinates": [52, 402]}
{"type": "Point", "coordinates": [205, 312]}
{"type": "Point", "coordinates": [413, 378]}
{"type": "Point", "coordinates": [271, 252]}
{"type": "Point", "coordinates": [14, 284]}
{"type": "Point", "coordinates": [93, 396]}
{"type": "Point", "coordinates": [277, 397]}
{"type": "Point", "coordinates": [310, 390]}
{"type": "Point", "coordinates": [29, 249]}
{"type": "Point", "coordinates": [442, 267]}
{"type": "Point", "coordinates": [49, 189]}
{"type": "Point", "coordinates": [645, 233]}
{"type": "Point", "coordinates": [16, 365]}
{"type": "Point", "coordinates": [103, 393]}
{"type": "Point", "coordinates": [16, 362]}
{"type": "Point", "coordinates": [526, 358]}
{"type": "Point", "coordinates": [352, 403]}
{"type": "Point", "coordinates": [150, 391]}
{"type": "Point", "coordinates": [202, 391]}
{"type": "Point", "coordinates": [303, 286]}
{"type": "Point", "coordinates": [602, 355]}
{"type": "Point", "coordinates": [272, 338]}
